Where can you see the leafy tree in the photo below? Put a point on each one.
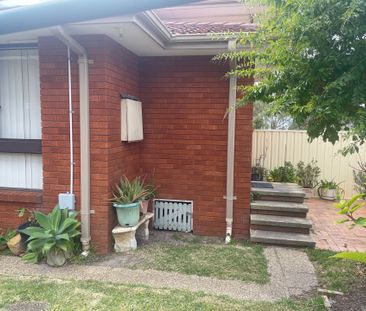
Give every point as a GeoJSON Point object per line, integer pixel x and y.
{"type": "Point", "coordinates": [263, 118]}
{"type": "Point", "coordinates": [310, 59]}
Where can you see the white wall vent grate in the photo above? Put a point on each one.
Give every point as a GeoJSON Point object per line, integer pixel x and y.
{"type": "Point", "coordinates": [173, 215]}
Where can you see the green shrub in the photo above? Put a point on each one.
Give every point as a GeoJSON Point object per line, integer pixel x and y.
{"type": "Point", "coordinates": [359, 175]}
{"type": "Point", "coordinates": [286, 173]}
{"type": "Point", "coordinates": [307, 175]}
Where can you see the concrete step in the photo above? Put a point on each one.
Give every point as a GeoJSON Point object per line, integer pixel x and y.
{"type": "Point", "coordinates": [280, 223]}
{"type": "Point", "coordinates": [287, 192]}
{"type": "Point", "coordinates": [281, 238]}
{"type": "Point", "coordinates": [279, 208]}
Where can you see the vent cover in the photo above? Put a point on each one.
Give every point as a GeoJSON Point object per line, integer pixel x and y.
{"type": "Point", "coordinates": [173, 215]}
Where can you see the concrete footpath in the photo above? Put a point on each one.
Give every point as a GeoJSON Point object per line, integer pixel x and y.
{"type": "Point", "coordinates": [291, 274]}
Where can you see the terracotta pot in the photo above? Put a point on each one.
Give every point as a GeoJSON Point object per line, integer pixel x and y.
{"type": "Point", "coordinates": [16, 245]}
{"type": "Point", "coordinates": [144, 205]}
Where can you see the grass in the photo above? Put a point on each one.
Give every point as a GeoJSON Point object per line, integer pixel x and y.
{"type": "Point", "coordinates": [335, 274]}
{"type": "Point", "coordinates": [243, 262]}
{"type": "Point", "coordinates": [88, 295]}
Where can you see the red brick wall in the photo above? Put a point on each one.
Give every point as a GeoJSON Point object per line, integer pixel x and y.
{"type": "Point", "coordinates": [184, 149]}
{"type": "Point", "coordinates": [185, 143]}
{"type": "Point", "coordinates": [113, 71]}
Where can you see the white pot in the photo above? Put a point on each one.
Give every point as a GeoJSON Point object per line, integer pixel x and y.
{"type": "Point", "coordinates": [328, 194]}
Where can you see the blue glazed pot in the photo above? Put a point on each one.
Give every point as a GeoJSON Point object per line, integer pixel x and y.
{"type": "Point", "coordinates": [128, 214]}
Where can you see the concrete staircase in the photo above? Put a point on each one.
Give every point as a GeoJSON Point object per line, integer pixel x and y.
{"type": "Point", "coordinates": [278, 215]}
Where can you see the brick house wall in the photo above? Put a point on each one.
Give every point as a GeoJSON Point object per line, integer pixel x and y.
{"type": "Point", "coordinates": [185, 145]}
{"type": "Point", "coordinates": [184, 148]}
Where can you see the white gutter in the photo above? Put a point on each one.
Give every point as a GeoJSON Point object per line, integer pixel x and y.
{"type": "Point", "coordinates": [230, 151]}
{"type": "Point", "coordinates": [84, 134]}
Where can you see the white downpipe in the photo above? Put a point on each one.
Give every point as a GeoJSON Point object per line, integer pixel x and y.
{"type": "Point", "coordinates": [71, 135]}
{"type": "Point", "coordinates": [84, 134]}
{"type": "Point", "coordinates": [230, 152]}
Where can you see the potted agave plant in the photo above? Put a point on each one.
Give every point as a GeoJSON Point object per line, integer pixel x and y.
{"type": "Point", "coordinates": [127, 197]}
{"type": "Point", "coordinates": [329, 190]}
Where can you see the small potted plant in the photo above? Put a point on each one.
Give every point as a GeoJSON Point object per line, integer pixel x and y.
{"type": "Point", "coordinates": [258, 171]}
{"type": "Point", "coordinates": [127, 197]}
{"type": "Point", "coordinates": [329, 190]}
{"type": "Point", "coordinates": [29, 215]}
{"type": "Point", "coordinates": [151, 193]}
{"type": "Point", "coordinates": [307, 176]}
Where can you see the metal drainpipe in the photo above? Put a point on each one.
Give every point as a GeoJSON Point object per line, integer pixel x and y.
{"type": "Point", "coordinates": [84, 134]}
{"type": "Point", "coordinates": [70, 122]}
{"type": "Point", "coordinates": [230, 151]}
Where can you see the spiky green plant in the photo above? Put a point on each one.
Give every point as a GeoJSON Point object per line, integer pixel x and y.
{"type": "Point", "coordinates": [55, 236]}
{"type": "Point", "coordinates": [129, 191]}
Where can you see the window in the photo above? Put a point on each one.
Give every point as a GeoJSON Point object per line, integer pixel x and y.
{"type": "Point", "coordinates": [20, 119]}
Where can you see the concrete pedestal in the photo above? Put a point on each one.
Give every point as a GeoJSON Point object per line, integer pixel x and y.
{"type": "Point", "coordinates": [125, 237]}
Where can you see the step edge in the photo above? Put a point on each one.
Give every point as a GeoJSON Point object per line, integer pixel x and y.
{"type": "Point", "coordinates": [281, 224]}
{"type": "Point", "coordinates": [306, 236]}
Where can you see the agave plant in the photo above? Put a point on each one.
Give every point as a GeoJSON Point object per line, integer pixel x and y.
{"type": "Point", "coordinates": [127, 192]}
{"type": "Point", "coordinates": [54, 239]}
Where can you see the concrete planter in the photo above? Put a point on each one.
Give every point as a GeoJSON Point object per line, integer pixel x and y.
{"type": "Point", "coordinates": [56, 258]}
{"type": "Point", "coordinates": [128, 214]}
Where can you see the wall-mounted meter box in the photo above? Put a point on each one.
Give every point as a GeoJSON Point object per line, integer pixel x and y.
{"type": "Point", "coordinates": [131, 120]}
{"type": "Point", "coordinates": [66, 201]}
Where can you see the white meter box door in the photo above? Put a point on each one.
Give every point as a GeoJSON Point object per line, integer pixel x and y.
{"type": "Point", "coordinates": [131, 120]}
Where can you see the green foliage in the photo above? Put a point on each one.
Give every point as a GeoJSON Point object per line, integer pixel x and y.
{"type": "Point", "coordinates": [307, 175]}
{"type": "Point", "coordinates": [359, 175]}
{"type": "Point", "coordinates": [354, 256]}
{"type": "Point", "coordinates": [348, 208]}
{"type": "Point", "coordinates": [7, 236]}
{"type": "Point", "coordinates": [26, 212]}
{"type": "Point", "coordinates": [57, 232]}
{"type": "Point", "coordinates": [127, 192]}
{"type": "Point", "coordinates": [286, 173]}
{"type": "Point", "coordinates": [151, 192]}
{"type": "Point", "coordinates": [328, 184]}
{"type": "Point", "coordinates": [309, 57]}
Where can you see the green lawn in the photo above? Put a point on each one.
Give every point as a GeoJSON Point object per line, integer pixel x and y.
{"type": "Point", "coordinates": [87, 295]}
{"type": "Point", "coordinates": [244, 262]}
{"type": "Point", "coordinates": [335, 274]}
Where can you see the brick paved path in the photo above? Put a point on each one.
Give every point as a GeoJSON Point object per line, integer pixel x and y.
{"type": "Point", "coordinates": [329, 235]}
